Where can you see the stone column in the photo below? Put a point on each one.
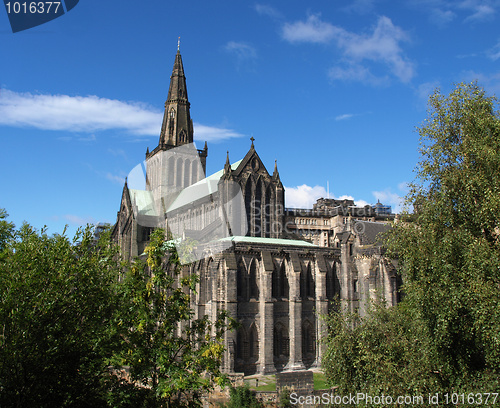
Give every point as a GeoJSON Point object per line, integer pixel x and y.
{"type": "Point", "coordinates": [346, 295]}
{"type": "Point", "coordinates": [266, 311]}
{"type": "Point", "coordinates": [321, 307]}
{"type": "Point", "coordinates": [232, 310]}
{"type": "Point", "coordinates": [295, 311]}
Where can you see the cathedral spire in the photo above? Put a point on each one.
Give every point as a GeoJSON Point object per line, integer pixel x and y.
{"type": "Point", "coordinates": [276, 175]}
{"type": "Point", "coordinates": [227, 166]}
{"type": "Point", "coordinates": [177, 127]}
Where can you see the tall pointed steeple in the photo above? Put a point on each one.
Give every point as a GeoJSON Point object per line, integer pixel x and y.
{"type": "Point", "coordinates": [177, 127]}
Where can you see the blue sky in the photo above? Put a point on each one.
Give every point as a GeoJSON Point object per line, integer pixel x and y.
{"type": "Point", "coordinates": [331, 89]}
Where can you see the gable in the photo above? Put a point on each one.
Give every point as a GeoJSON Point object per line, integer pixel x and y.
{"type": "Point", "coordinates": [252, 164]}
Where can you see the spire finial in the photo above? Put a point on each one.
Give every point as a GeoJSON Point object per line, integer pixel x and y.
{"type": "Point", "coordinates": [252, 139]}
{"type": "Point", "coordinates": [227, 166]}
{"type": "Point", "coordinates": [178, 43]}
{"type": "Point", "coordinates": [276, 175]}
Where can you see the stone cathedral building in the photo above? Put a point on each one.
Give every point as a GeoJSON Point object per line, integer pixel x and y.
{"type": "Point", "coordinates": [274, 269]}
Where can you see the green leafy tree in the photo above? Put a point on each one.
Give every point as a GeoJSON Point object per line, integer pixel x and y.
{"type": "Point", "coordinates": [171, 356]}
{"type": "Point", "coordinates": [56, 305]}
{"type": "Point", "coordinates": [242, 397]}
{"type": "Point", "coordinates": [6, 230]}
{"type": "Point", "coordinates": [445, 334]}
{"type": "Point", "coordinates": [451, 250]}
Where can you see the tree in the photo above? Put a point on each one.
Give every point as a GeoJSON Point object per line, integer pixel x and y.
{"type": "Point", "coordinates": [6, 230]}
{"type": "Point", "coordinates": [242, 397]}
{"type": "Point", "coordinates": [56, 304]}
{"type": "Point", "coordinates": [169, 353]}
{"type": "Point", "coordinates": [449, 251]}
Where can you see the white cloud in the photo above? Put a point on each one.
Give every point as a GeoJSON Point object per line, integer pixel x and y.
{"type": "Point", "coordinates": [355, 72]}
{"type": "Point", "coordinates": [424, 91]}
{"type": "Point", "coordinates": [443, 12]}
{"type": "Point", "coordinates": [387, 197]}
{"type": "Point", "coordinates": [88, 114]}
{"type": "Point", "coordinates": [381, 45]}
{"type": "Point", "coordinates": [490, 82]}
{"type": "Point", "coordinates": [312, 30]}
{"type": "Point", "coordinates": [344, 116]}
{"type": "Point", "coordinates": [267, 10]}
{"type": "Point", "coordinates": [118, 152]}
{"type": "Point", "coordinates": [494, 53]}
{"type": "Point", "coordinates": [242, 50]}
{"type": "Point", "coordinates": [360, 6]}
{"type": "Point", "coordinates": [76, 113]}
{"type": "Point", "coordinates": [305, 196]}
{"type": "Point", "coordinates": [361, 203]}
{"type": "Point", "coordinates": [481, 10]}
{"type": "Point", "coordinates": [77, 220]}
{"type": "Point", "coordinates": [442, 17]}
{"type": "Point", "coordinates": [213, 134]}
{"type": "Point", "coordinates": [115, 179]}
{"type": "Point", "coordinates": [404, 187]}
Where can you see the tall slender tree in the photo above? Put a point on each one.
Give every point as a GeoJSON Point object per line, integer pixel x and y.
{"type": "Point", "coordinates": [172, 355]}
{"type": "Point", "coordinates": [445, 333]}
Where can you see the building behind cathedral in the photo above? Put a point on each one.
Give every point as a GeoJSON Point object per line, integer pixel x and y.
{"type": "Point", "coordinates": [274, 269]}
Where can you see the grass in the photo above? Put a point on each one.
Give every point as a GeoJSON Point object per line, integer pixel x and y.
{"type": "Point", "coordinates": [320, 381]}
{"type": "Point", "coordinates": [263, 383]}
{"type": "Point", "coordinates": [268, 382]}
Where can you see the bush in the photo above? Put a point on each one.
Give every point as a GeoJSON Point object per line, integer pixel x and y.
{"type": "Point", "coordinates": [243, 397]}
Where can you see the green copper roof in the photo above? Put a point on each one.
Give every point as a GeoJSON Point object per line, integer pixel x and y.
{"type": "Point", "coordinates": [202, 188]}
{"type": "Point", "coordinates": [275, 241]}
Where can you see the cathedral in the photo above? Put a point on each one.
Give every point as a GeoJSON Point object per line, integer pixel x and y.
{"type": "Point", "coordinates": [274, 269]}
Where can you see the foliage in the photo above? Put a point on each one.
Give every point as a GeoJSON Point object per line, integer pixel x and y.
{"type": "Point", "coordinates": [169, 353]}
{"type": "Point", "coordinates": [6, 230]}
{"type": "Point", "coordinates": [445, 334]}
{"type": "Point", "coordinates": [242, 397]}
{"type": "Point", "coordinates": [56, 302]}
{"type": "Point", "coordinates": [69, 309]}
{"type": "Point", "coordinates": [385, 352]}
{"type": "Point", "coordinates": [284, 398]}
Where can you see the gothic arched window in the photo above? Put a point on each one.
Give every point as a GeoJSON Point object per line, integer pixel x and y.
{"type": "Point", "coordinates": [281, 341]}
{"type": "Point", "coordinates": [254, 287]}
{"type": "Point", "coordinates": [182, 136]}
{"type": "Point", "coordinates": [308, 343]}
{"type": "Point", "coordinates": [310, 285]}
{"type": "Point", "coordinates": [279, 282]}
{"type": "Point", "coordinates": [248, 205]}
{"type": "Point", "coordinates": [306, 283]}
{"type": "Point", "coordinates": [257, 216]}
{"type": "Point", "coordinates": [241, 275]}
{"type": "Point", "coordinates": [267, 213]}
{"type": "Point", "coordinates": [253, 343]}
{"type": "Point", "coordinates": [178, 169]}
{"type": "Point", "coordinates": [187, 170]}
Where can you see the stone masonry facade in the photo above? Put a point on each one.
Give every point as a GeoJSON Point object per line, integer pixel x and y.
{"type": "Point", "coordinates": [277, 270]}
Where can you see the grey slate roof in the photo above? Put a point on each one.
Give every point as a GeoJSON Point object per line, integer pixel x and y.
{"type": "Point", "coordinates": [367, 231]}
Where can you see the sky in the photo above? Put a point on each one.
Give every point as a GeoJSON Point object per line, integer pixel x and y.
{"type": "Point", "coordinates": [332, 89]}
